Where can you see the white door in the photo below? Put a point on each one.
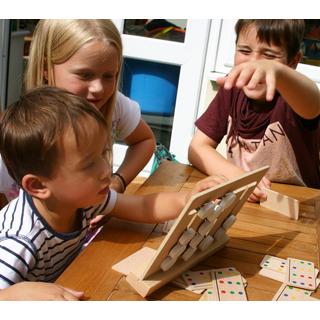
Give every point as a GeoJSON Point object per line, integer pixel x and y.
{"type": "Point", "coordinates": [4, 49]}
{"type": "Point", "coordinates": [190, 56]}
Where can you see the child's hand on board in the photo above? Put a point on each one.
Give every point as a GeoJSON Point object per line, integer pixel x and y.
{"type": "Point", "coordinates": [207, 183]}
{"type": "Point", "coordinates": [258, 194]}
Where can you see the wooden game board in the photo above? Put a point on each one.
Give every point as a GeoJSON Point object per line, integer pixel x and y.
{"type": "Point", "coordinates": [198, 232]}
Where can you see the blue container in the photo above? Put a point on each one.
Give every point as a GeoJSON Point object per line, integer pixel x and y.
{"type": "Point", "coordinates": [153, 85]}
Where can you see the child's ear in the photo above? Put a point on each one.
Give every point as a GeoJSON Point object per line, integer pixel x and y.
{"type": "Point", "coordinates": [35, 186]}
{"type": "Point", "coordinates": [296, 59]}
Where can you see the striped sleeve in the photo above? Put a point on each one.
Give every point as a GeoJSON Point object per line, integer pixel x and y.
{"type": "Point", "coordinates": [17, 258]}
{"type": "Point", "coordinates": [104, 208]}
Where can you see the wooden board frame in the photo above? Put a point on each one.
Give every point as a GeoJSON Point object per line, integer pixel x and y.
{"type": "Point", "coordinates": [144, 274]}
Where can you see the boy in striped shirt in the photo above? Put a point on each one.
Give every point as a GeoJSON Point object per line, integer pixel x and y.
{"type": "Point", "coordinates": [57, 147]}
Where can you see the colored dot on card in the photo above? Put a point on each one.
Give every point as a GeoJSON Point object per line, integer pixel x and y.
{"type": "Point", "coordinates": [201, 273]}
{"type": "Point", "coordinates": [229, 282]}
{"type": "Point", "coordinates": [294, 267]}
{"type": "Point", "coordinates": [221, 281]}
{"type": "Point", "coordinates": [309, 277]}
{"type": "Point", "coordinates": [301, 262]}
{"type": "Point", "coordinates": [301, 275]}
{"type": "Point", "coordinates": [232, 292]}
{"type": "Point", "coordinates": [223, 291]}
{"type": "Point", "coordinates": [238, 283]}
{"type": "Point", "coordinates": [209, 292]}
{"type": "Point", "coordinates": [302, 283]}
{"type": "Point", "coordinates": [285, 294]}
{"type": "Point", "coordinates": [281, 266]}
{"type": "Point", "coordinates": [290, 287]}
{"type": "Point", "coordinates": [220, 272]}
{"type": "Point", "coordinates": [310, 285]}
{"type": "Point", "coordinates": [193, 283]}
{"type": "Point", "coordinates": [240, 292]}
{"type": "Point", "coordinates": [294, 281]}
{"type": "Point", "coordinates": [309, 263]}
{"type": "Point", "coordinates": [306, 293]}
{"type": "Point", "coordinates": [230, 269]}
{"type": "Point", "coordinates": [294, 274]}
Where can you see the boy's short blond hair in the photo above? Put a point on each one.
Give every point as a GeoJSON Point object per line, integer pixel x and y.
{"type": "Point", "coordinates": [32, 130]}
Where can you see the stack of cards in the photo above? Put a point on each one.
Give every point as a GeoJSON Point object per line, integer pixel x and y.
{"type": "Point", "coordinates": [299, 277]}
{"type": "Point", "coordinates": [289, 293]}
{"type": "Point", "coordinates": [215, 284]}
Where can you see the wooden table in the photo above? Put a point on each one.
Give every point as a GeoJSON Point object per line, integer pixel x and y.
{"type": "Point", "coordinates": [257, 232]}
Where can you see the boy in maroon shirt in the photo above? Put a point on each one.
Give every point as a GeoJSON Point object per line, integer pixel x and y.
{"type": "Point", "coordinates": [269, 111]}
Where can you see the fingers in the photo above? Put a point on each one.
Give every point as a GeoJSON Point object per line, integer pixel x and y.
{"type": "Point", "coordinates": [253, 198]}
{"type": "Point", "coordinates": [78, 294]}
{"type": "Point", "coordinates": [210, 182]}
{"type": "Point", "coordinates": [250, 75]}
{"type": "Point", "coordinates": [258, 194]}
{"type": "Point", "coordinates": [68, 294]}
{"type": "Point", "coordinates": [220, 81]}
{"type": "Point", "coordinates": [271, 86]}
{"type": "Point", "coordinates": [265, 183]}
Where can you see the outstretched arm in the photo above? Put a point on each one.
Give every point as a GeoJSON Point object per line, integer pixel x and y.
{"type": "Point", "coordinates": [158, 207]}
{"type": "Point", "coordinates": [301, 93]}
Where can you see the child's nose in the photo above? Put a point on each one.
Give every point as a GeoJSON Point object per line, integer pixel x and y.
{"type": "Point", "coordinates": [255, 56]}
{"type": "Point", "coordinates": [96, 85]}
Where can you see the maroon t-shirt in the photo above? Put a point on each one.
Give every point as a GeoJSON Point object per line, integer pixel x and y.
{"type": "Point", "coordinates": [269, 133]}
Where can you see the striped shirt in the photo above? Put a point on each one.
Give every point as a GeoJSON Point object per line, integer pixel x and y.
{"type": "Point", "coordinates": [30, 249]}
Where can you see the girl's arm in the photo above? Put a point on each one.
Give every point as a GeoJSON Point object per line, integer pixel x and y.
{"type": "Point", "coordinates": [141, 145]}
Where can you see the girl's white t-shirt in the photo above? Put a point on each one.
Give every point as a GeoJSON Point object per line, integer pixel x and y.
{"type": "Point", "coordinates": [125, 120]}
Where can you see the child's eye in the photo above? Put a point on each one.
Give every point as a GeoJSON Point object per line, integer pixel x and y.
{"type": "Point", "coordinates": [270, 56]}
{"type": "Point", "coordinates": [84, 76]}
{"type": "Point", "coordinates": [109, 76]}
{"type": "Point", "coordinates": [244, 51]}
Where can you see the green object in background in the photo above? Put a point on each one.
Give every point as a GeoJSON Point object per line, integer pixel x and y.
{"type": "Point", "coordinates": [161, 153]}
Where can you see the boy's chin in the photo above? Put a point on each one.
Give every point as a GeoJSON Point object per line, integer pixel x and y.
{"type": "Point", "coordinates": [259, 95]}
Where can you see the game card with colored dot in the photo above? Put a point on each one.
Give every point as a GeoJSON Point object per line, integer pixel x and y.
{"type": "Point", "coordinates": [230, 285]}
{"type": "Point", "coordinates": [197, 279]}
{"type": "Point", "coordinates": [211, 294]}
{"type": "Point", "coordinates": [274, 263]}
{"type": "Point", "coordinates": [289, 293]}
{"type": "Point", "coordinates": [301, 274]}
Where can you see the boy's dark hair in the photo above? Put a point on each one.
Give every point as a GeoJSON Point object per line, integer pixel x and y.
{"type": "Point", "coordinates": [285, 33]}
{"type": "Point", "coordinates": [32, 129]}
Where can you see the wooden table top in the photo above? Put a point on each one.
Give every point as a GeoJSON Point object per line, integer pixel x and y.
{"type": "Point", "coordinates": [257, 231]}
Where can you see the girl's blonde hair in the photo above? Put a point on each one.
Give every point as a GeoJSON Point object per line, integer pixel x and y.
{"type": "Point", "coordinates": [55, 41]}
